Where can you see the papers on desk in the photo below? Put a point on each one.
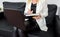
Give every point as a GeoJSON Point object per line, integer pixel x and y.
{"type": "Point", "coordinates": [31, 14]}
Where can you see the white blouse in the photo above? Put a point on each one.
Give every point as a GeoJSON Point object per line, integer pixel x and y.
{"type": "Point", "coordinates": [41, 9]}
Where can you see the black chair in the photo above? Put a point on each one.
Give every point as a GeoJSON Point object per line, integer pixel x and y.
{"type": "Point", "coordinates": [57, 26]}
{"type": "Point", "coordinates": [7, 30]}
{"type": "Point", "coordinates": [50, 19]}
{"type": "Point", "coordinates": [1, 15]}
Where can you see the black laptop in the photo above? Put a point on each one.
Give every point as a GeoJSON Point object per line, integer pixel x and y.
{"type": "Point", "coordinates": [14, 13]}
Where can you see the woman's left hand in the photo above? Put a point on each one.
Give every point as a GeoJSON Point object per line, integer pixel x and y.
{"type": "Point", "coordinates": [36, 17]}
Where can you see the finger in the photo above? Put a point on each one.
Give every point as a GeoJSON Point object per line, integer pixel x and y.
{"type": "Point", "coordinates": [38, 17]}
{"type": "Point", "coordinates": [33, 17]}
{"type": "Point", "coordinates": [29, 12]}
{"type": "Point", "coordinates": [32, 11]}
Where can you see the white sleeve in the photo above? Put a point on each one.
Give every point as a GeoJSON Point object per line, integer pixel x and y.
{"type": "Point", "coordinates": [44, 10]}
{"type": "Point", "coordinates": [26, 8]}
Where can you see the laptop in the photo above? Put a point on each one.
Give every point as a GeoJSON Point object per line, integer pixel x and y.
{"type": "Point", "coordinates": [14, 14]}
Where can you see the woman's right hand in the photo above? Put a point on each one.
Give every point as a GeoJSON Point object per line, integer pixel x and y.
{"type": "Point", "coordinates": [29, 11]}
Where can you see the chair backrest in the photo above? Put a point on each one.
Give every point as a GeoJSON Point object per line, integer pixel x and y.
{"type": "Point", "coordinates": [14, 15]}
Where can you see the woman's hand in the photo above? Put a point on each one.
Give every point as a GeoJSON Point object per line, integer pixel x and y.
{"type": "Point", "coordinates": [36, 17]}
{"type": "Point", "coordinates": [29, 11]}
